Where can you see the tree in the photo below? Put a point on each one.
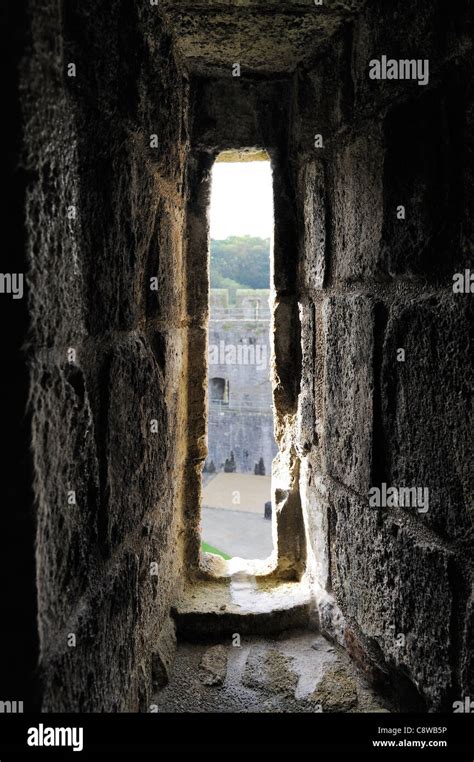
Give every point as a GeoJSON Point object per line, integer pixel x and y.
{"type": "Point", "coordinates": [229, 465]}
{"type": "Point", "coordinates": [240, 262]}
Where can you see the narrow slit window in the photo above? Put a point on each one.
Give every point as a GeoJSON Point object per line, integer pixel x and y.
{"type": "Point", "coordinates": [236, 513]}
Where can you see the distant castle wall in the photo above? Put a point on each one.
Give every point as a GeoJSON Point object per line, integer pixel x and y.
{"type": "Point", "coordinates": [240, 417]}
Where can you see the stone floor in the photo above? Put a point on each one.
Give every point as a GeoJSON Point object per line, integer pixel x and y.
{"type": "Point", "coordinates": [297, 671]}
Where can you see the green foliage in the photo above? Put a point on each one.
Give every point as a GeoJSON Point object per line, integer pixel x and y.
{"type": "Point", "coordinates": [219, 281]}
{"type": "Point", "coordinates": [240, 262]}
{"type": "Point", "coordinates": [206, 548]}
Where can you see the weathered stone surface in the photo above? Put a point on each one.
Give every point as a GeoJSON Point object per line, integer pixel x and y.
{"type": "Point", "coordinates": [288, 517]}
{"type": "Point", "coordinates": [276, 34]}
{"type": "Point", "coordinates": [105, 213]}
{"type": "Point", "coordinates": [345, 412]}
{"type": "Point", "coordinates": [163, 658]}
{"type": "Point", "coordinates": [102, 667]}
{"type": "Point", "coordinates": [348, 390]}
{"type": "Point", "coordinates": [287, 359]}
{"type": "Point", "coordinates": [423, 163]}
{"type": "Point", "coordinates": [306, 423]}
{"type": "Point", "coordinates": [214, 665]}
{"type": "Point", "coordinates": [313, 225]}
{"type": "Point", "coordinates": [260, 110]}
{"type": "Point", "coordinates": [285, 675]}
{"type": "Point", "coordinates": [337, 690]}
{"type": "Point", "coordinates": [136, 461]}
{"type": "Point", "coordinates": [314, 496]}
{"type": "Point", "coordinates": [467, 658]}
{"type": "Point", "coordinates": [315, 113]}
{"type": "Point", "coordinates": [66, 487]}
{"type": "Point", "coordinates": [403, 31]}
{"type": "Point", "coordinates": [434, 333]}
{"type": "Point", "coordinates": [393, 590]}
{"type": "Point", "coordinates": [357, 209]}
{"type": "Point", "coordinates": [270, 671]}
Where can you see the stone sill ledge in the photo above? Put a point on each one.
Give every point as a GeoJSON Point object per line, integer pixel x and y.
{"type": "Point", "coordinates": [243, 604]}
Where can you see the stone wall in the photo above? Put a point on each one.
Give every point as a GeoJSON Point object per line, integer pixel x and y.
{"type": "Point", "coordinates": [19, 636]}
{"type": "Point", "coordinates": [240, 354]}
{"type": "Point", "coordinates": [247, 434]}
{"type": "Point", "coordinates": [105, 215]}
{"type": "Point", "coordinates": [372, 284]}
{"type": "Point", "coordinates": [115, 194]}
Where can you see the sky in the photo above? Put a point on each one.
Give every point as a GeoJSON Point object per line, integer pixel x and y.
{"type": "Point", "coordinates": [241, 199]}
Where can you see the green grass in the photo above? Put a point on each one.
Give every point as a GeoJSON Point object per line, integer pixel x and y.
{"type": "Point", "coordinates": [205, 548]}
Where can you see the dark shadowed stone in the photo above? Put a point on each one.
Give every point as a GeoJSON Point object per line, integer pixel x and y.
{"type": "Point", "coordinates": [136, 461]}
{"type": "Point", "coordinates": [162, 659]}
{"type": "Point", "coordinates": [423, 172]}
{"type": "Point", "coordinates": [352, 284]}
{"type": "Point", "coordinates": [348, 390]}
{"type": "Point", "coordinates": [389, 578]}
{"type": "Point", "coordinates": [432, 385]}
{"type": "Point", "coordinates": [356, 178]}
{"type": "Point", "coordinates": [67, 487]}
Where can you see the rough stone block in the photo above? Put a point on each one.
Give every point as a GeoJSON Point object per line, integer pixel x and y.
{"type": "Point", "coordinates": [357, 207]}
{"type": "Point", "coordinates": [390, 581]}
{"type": "Point", "coordinates": [337, 691]}
{"type": "Point", "coordinates": [285, 245]}
{"type": "Point", "coordinates": [214, 665]}
{"type": "Point", "coordinates": [162, 253]}
{"type": "Point", "coordinates": [163, 657]}
{"type": "Point", "coordinates": [138, 454]}
{"type": "Point", "coordinates": [269, 670]}
{"type": "Point", "coordinates": [467, 661]}
{"type": "Point", "coordinates": [348, 390]}
{"type": "Point", "coordinates": [401, 31]}
{"type": "Point", "coordinates": [313, 224]}
{"type": "Point", "coordinates": [132, 236]}
{"type": "Point", "coordinates": [316, 512]}
{"type": "Point", "coordinates": [306, 433]}
{"type": "Point", "coordinates": [258, 110]}
{"type": "Point", "coordinates": [421, 397]}
{"type": "Point", "coordinates": [54, 284]}
{"type": "Point", "coordinates": [103, 666]}
{"type": "Point", "coordinates": [318, 114]}
{"type": "Point", "coordinates": [66, 482]}
{"type": "Point", "coordinates": [423, 169]}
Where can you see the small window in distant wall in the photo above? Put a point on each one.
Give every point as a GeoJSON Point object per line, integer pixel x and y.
{"type": "Point", "coordinates": [219, 391]}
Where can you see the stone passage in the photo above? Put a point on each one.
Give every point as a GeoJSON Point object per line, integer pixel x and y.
{"type": "Point", "coordinates": [366, 111]}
